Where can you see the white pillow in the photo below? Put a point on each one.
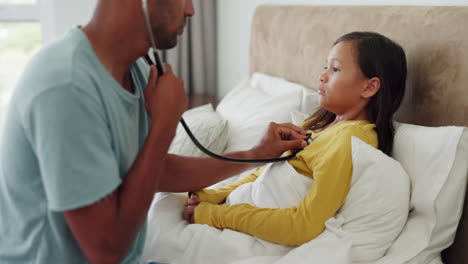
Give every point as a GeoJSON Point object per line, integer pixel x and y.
{"type": "Point", "coordinates": [376, 207]}
{"type": "Point", "coordinates": [298, 118]}
{"type": "Point", "coordinates": [310, 101]}
{"type": "Point", "coordinates": [436, 160]}
{"type": "Point", "coordinates": [310, 97]}
{"type": "Point", "coordinates": [208, 128]}
{"type": "Point", "coordinates": [253, 104]}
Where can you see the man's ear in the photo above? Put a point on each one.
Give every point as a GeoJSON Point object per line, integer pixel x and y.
{"type": "Point", "coordinates": [373, 86]}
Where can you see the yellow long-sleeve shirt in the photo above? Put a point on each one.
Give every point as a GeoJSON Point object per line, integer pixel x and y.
{"type": "Point", "coordinates": [327, 160]}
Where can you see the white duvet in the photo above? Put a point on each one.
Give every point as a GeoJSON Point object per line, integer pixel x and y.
{"type": "Point", "coordinates": [373, 215]}
{"type": "Point", "coordinates": [171, 240]}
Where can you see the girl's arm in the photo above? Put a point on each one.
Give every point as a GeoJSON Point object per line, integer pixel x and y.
{"type": "Point", "coordinates": [217, 196]}
{"type": "Point", "coordinates": [332, 171]}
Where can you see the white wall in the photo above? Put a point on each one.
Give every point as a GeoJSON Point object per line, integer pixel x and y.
{"type": "Point", "coordinates": [68, 13]}
{"type": "Point", "coordinates": [235, 17]}
{"type": "Point", "coordinates": [233, 29]}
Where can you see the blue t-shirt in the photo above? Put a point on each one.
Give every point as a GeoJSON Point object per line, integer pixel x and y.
{"type": "Point", "coordinates": [70, 136]}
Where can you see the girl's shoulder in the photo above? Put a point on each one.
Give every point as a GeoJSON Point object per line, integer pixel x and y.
{"type": "Point", "coordinates": [362, 129]}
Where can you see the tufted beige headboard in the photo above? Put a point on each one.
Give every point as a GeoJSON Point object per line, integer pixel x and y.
{"type": "Point", "coordinates": [293, 42]}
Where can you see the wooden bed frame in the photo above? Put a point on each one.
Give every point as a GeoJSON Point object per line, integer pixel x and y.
{"type": "Point", "coordinates": [293, 42]}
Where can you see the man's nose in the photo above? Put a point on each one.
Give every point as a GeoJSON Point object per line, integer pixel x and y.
{"type": "Point", "coordinates": [189, 9]}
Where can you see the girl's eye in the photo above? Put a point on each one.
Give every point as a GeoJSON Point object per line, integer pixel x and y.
{"type": "Point", "coordinates": [335, 69]}
{"type": "Point", "coordinates": [325, 68]}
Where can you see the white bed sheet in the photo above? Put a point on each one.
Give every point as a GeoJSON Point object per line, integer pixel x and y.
{"type": "Point", "coordinates": [171, 240]}
{"type": "Point", "coordinates": [279, 186]}
{"type": "Point", "coordinates": [357, 234]}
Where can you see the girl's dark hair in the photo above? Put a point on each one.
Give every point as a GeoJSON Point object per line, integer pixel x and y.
{"type": "Point", "coordinates": [377, 56]}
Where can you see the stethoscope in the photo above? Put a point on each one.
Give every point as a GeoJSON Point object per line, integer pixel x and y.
{"type": "Point", "coordinates": [160, 68]}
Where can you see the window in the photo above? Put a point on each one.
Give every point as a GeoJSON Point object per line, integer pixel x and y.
{"type": "Point", "coordinates": [23, 27]}
{"type": "Point", "coordinates": [17, 2]}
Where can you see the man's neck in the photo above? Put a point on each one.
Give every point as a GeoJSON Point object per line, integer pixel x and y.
{"type": "Point", "coordinates": [116, 49]}
{"type": "Point", "coordinates": [128, 83]}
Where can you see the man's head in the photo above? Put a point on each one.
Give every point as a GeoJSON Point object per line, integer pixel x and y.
{"type": "Point", "coordinates": [168, 19]}
{"type": "Point", "coordinates": [118, 30]}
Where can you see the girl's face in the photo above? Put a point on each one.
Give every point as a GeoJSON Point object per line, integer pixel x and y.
{"type": "Point", "coordinates": [342, 82]}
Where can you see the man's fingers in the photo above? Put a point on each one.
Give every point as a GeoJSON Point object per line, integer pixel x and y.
{"type": "Point", "coordinates": [151, 81]}
{"type": "Point", "coordinates": [299, 130]}
{"type": "Point", "coordinates": [168, 68]}
{"type": "Point", "coordinates": [290, 134]}
{"type": "Point", "coordinates": [295, 144]}
{"type": "Point", "coordinates": [153, 77]}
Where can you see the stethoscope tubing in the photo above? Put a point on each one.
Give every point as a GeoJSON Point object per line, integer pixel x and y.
{"type": "Point", "coordinates": [214, 155]}
{"type": "Point", "coordinates": [161, 70]}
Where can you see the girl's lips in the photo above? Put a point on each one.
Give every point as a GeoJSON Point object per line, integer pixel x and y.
{"type": "Point", "coordinates": [321, 91]}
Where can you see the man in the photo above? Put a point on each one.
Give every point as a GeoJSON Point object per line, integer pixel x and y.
{"type": "Point", "coordinates": [86, 139]}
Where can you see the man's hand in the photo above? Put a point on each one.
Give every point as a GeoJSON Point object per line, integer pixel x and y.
{"type": "Point", "coordinates": [278, 139]}
{"type": "Point", "coordinates": [165, 98]}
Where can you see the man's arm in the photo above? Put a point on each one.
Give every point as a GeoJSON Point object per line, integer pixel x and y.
{"type": "Point", "coordinates": [106, 229]}
{"type": "Point", "coordinates": [183, 174]}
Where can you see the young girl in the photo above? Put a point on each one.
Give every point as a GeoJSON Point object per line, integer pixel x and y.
{"type": "Point", "coordinates": [360, 89]}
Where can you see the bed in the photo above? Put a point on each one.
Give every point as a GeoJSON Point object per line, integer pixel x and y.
{"type": "Point", "coordinates": [289, 45]}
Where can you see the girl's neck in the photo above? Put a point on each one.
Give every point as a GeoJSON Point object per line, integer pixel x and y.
{"type": "Point", "coordinates": [360, 115]}
{"type": "Point", "coordinates": [346, 117]}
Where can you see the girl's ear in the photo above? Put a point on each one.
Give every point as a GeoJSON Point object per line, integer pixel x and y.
{"type": "Point", "coordinates": [373, 86]}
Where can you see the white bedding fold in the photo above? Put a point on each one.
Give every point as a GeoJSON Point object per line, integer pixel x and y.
{"type": "Point", "coordinates": [171, 240]}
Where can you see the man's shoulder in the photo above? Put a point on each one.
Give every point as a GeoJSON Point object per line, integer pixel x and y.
{"type": "Point", "coordinates": [66, 63]}
{"type": "Point", "coordinates": [64, 56]}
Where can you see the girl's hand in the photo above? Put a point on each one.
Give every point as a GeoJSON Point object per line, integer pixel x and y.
{"type": "Point", "coordinates": [189, 213]}
{"type": "Point", "coordinates": [193, 199]}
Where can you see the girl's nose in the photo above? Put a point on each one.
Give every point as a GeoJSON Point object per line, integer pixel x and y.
{"type": "Point", "coordinates": [323, 77]}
